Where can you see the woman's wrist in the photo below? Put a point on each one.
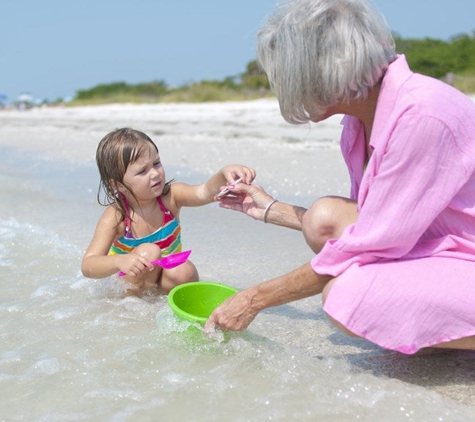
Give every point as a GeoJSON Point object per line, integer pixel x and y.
{"type": "Point", "coordinates": [285, 215]}
{"type": "Point", "coordinates": [267, 209]}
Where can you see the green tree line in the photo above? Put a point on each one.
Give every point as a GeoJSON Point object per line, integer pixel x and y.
{"type": "Point", "coordinates": [251, 84]}
{"type": "Point", "coordinates": [452, 61]}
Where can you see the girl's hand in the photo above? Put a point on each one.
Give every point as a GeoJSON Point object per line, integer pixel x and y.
{"type": "Point", "coordinates": [133, 264]}
{"type": "Point", "coordinates": [234, 171]}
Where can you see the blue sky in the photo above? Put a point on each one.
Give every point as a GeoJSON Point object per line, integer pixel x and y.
{"type": "Point", "coordinates": [52, 48]}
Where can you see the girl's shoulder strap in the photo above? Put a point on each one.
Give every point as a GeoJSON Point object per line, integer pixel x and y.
{"type": "Point", "coordinates": [127, 214]}
{"type": "Point", "coordinates": [162, 205]}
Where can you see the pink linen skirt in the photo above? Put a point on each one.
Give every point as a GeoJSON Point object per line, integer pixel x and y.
{"type": "Point", "coordinates": [406, 305]}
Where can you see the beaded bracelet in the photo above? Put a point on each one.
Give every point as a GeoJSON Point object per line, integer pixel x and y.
{"type": "Point", "coordinates": [266, 211]}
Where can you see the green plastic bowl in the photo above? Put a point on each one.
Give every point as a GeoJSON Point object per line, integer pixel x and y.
{"type": "Point", "coordinates": [195, 302]}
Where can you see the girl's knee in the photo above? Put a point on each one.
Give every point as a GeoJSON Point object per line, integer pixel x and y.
{"type": "Point", "coordinates": [185, 273]}
{"type": "Point", "coordinates": [188, 273]}
{"type": "Point", "coordinates": [150, 251]}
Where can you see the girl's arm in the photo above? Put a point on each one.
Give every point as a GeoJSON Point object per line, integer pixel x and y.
{"type": "Point", "coordinates": [184, 195]}
{"type": "Point", "coordinates": [97, 263]}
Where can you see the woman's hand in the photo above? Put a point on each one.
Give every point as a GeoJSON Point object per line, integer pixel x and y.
{"type": "Point", "coordinates": [248, 199]}
{"type": "Point", "coordinates": [235, 314]}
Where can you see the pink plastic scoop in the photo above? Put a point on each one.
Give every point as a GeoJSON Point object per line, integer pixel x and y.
{"type": "Point", "coordinates": [170, 261]}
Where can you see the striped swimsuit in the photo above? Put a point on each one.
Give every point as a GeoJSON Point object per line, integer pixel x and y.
{"type": "Point", "coordinates": [167, 237]}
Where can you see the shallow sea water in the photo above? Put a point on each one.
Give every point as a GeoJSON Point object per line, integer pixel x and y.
{"type": "Point", "coordinates": [74, 349]}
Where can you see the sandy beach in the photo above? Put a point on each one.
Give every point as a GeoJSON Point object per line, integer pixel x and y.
{"type": "Point", "coordinates": [294, 163]}
{"type": "Point", "coordinates": [201, 136]}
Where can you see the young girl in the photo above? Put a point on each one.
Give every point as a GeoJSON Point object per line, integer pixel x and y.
{"type": "Point", "coordinates": [141, 222]}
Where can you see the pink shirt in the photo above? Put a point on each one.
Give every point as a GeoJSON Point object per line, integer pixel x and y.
{"type": "Point", "coordinates": [416, 197]}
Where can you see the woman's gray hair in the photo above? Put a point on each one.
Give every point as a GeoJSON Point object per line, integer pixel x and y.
{"type": "Point", "coordinates": [317, 53]}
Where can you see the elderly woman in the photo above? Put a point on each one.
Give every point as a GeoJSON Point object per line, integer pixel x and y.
{"type": "Point", "coordinates": [395, 262]}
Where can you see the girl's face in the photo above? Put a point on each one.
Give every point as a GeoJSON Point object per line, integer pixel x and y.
{"type": "Point", "coordinates": [145, 177]}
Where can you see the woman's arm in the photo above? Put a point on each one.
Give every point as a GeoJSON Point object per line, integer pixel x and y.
{"type": "Point", "coordinates": [240, 310]}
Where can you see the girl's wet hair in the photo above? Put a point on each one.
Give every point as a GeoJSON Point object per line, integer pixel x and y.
{"type": "Point", "coordinates": [115, 152]}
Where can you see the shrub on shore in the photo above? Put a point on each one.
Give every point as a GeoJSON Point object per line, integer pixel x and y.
{"type": "Point", "coordinates": [452, 61]}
